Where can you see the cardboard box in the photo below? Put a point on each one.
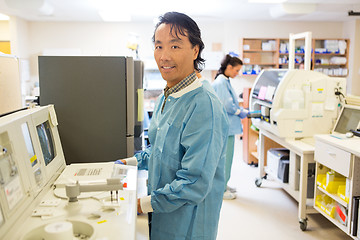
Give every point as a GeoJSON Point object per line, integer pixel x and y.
{"type": "Point", "coordinates": [254, 44]}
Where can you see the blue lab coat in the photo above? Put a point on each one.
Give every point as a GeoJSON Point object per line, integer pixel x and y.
{"type": "Point", "coordinates": [186, 164]}
{"type": "Point", "coordinates": [228, 97]}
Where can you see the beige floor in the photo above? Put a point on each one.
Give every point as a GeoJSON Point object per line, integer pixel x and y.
{"type": "Point", "coordinates": [267, 212]}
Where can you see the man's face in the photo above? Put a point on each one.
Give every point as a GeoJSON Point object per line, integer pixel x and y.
{"type": "Point", "coordinates": [174, 56]}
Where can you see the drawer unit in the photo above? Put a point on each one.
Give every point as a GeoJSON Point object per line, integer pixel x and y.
{"type": "Point", "coordinates": [338, 181]}
{"type": "Point", "coordinates": [333, 157]}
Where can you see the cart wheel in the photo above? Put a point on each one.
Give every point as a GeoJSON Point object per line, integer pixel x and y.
{"type": "Point", "coordinates": [303, 224]}
{"type": "Point", "coordinates": [258, 182]}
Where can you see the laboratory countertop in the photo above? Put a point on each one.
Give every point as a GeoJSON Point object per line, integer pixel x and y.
{"type": "Point", "coordinates": [100, 215]}
{"type": "Point", "coordinates": [351, 145]}
{"type": "Point", "coordinates": [303, 146]}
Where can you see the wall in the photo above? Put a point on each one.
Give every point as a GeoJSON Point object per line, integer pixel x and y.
{"type": "Point", "coordinates": [355, 90]}
{"type": "Point", "coordinates": [111, 38]}
{"type": "Point", "coordinates": [230, 33]}
{"type": "Point", "coordinates": [4, 31]}
{"type": "Point", "coordinates": [106, 39]}
{"type": "Point", "coordinates": [19, 37]}
{"type": "Point", "coordinates": [354, 84]}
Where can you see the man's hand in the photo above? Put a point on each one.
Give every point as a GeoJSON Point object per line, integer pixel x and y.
{"type": "Point", "coordinates": [121, 161]}
{"type": "Point", "coordinates": [139, 211]}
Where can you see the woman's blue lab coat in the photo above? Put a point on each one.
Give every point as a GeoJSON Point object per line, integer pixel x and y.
{"type": "Point", "coordinates": [186, 164]}
{"type": "Point", "coordinates": [228, 97]}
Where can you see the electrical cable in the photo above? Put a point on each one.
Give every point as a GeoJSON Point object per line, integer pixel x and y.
{"type": "Point", "coordinates": [340, 94]}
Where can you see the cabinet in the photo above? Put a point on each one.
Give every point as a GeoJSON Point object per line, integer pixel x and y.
{"type": "Point", "coordinates": [337, 181]}
{"type": "Point", "coordinates": [284, 52]}
{"type": "Point", "coordinates": [250, 135]}
{"type": "Point", "coordinates": [258, 54]}
{"type": "Point", "coordinates": [329, 56]}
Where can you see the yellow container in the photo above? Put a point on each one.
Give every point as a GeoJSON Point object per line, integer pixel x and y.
{"type": "Point", "coordinates": [321, 180]}
{"type": "Point", "coordinates": [341, 193]}
{"type": "Point", "coordinates": [332, 186]}
{"type": "Point", "coordinates": [324, 203]}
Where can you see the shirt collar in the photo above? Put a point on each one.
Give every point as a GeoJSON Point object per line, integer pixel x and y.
{"type": "Point", "coordinates": [180, 85]}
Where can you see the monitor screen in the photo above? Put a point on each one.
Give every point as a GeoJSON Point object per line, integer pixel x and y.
{"type": "Point", "coordinates": [348, 120]}
{"type": "Point", "coordinates": [29, 144]}
{"type": "Point", "coordinates": [267, 83]}
{"type": "Point", "coordinates": [46, 141]}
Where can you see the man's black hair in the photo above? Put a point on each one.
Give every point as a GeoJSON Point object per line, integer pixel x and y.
{"type": "Point", "coordinates": [182, 24]}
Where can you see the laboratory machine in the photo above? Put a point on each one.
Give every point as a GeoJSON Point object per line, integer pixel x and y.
{"type": "Point", "coordinates": [43, 198]}
{"type": "Point", "coordinates": [99, 102]}
{"type": "Point", "coordinates": [296, 103]}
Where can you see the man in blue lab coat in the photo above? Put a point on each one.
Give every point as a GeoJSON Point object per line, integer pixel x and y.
{"type": "Point", "coordinates": [188, 135]}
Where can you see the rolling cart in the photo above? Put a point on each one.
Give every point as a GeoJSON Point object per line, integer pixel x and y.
{"type": "Point", "coordinates": [301, 154]}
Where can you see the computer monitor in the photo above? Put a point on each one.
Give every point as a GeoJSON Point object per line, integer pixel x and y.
{"type": "Point", "coordinates": [47, 144]}
{"type": "Point", "coordinates": [349, 119]}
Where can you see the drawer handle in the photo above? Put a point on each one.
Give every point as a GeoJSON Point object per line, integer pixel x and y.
{"type": "Point", "coordinates": [331, 153]}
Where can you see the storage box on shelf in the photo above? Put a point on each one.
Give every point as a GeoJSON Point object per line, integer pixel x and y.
{"type": "Point", "coordinates": [284, 53]}
{"type": "Point", "coordinates": [337, 183]}
{"type": "Point", "coordinates": [329, 56]}
{"type": "Point", "coordinates": [331, 194]}
{"type": "Point", "coordinates": [258, 54]}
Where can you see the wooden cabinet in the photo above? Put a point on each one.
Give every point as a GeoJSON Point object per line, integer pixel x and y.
{"type": "Point", "coordinates": [284, 52]}
{"type": "Point", "coordinates": [250, 135]}
{"type": "Point", "coordinates": [329, 56]}
{"type": "Point", "coordinates": [337, 181]}
{"type": "Point", "coordinates": [258, 54]}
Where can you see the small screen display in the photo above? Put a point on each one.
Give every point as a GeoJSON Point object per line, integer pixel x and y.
{"type": "Point", "coordinates": [349, 120]}
{"type": "Point", "coordinates": [29, 144]}
{"type": "Point", "coordinates": [46, 141]}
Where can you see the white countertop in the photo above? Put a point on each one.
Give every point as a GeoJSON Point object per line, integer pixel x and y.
{"type": "Point", "coordinates": [351, 145]}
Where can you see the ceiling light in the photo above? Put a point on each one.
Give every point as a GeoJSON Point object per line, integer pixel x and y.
{"type": "Point", "coordinates": [291, 9]}
{"type": "Point", "coordinates": [46, 9]}
{"type": "Point", "coordinates": [4, 17]}
{"type": "Point", "coordinates": [114, 16]}
{"type": "Point", "coordinates": [267, 1]}
{"type": "Point", "coordinates": [43, 6]}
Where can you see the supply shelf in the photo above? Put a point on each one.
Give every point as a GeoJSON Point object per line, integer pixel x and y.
{"type": "Point", "coordinates": [262, 53]}
{"type": "Point", "coordinates": [338, 181]}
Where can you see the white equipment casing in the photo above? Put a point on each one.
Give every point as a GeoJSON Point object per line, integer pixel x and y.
{"type": "Point", "coordinates": [300, 104]}
{"type": "Point", "coordinates": [33, 175]}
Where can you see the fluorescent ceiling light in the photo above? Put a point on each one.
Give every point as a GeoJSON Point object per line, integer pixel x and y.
{"type": "Point", "coordinates": [4, 17]}
{"type": "Point", "coordinates": [42, 6]}
{"type": "Point", "coordinates": [114, 16]}
{"type": "Point", "coordinates": [267, 1]}
{"type": "Point", "coordinates": [286, 9]}
{"type": "Point", "coordinates": [46, 9]}
{"type": "Point", "coordinates": [113, 10]}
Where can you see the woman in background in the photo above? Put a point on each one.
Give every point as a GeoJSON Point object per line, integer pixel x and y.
{"type": "Point", "coordinates": [230, 68]}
